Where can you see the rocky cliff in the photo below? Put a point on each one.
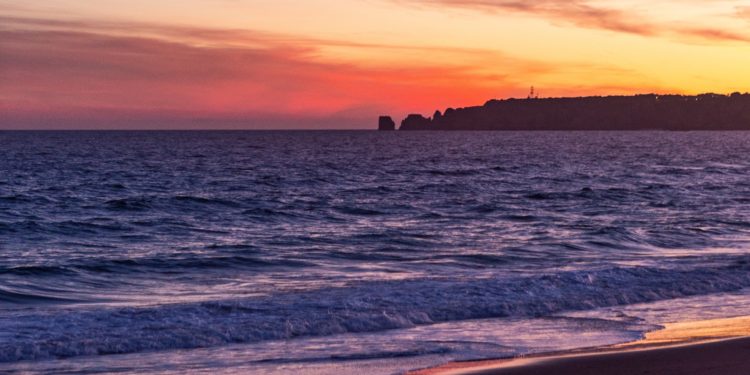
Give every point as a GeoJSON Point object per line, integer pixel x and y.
{"type": "Point", "coordinates": [639, 112]}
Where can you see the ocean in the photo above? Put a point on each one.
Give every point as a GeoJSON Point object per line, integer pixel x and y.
{"type": "Point", "coordinates": [294, 252]}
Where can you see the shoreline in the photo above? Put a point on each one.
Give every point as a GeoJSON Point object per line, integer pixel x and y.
{"type": "Point", "coordinates": [716, 346]}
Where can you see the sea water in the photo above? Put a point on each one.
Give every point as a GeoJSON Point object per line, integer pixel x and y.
{"type": "Point", "coordinates": [335, 252]}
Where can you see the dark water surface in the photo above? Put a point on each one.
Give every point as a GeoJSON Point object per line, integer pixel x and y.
{"type": "Point", "coordinates": [289, 251]}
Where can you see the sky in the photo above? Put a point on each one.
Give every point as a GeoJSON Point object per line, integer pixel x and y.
{"type": "Point", "coordinates": [333, 64]}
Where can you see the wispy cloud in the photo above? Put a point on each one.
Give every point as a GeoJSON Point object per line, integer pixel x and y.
{"type": "Point", "coordinates": [102, 70]}
{"type": "Point", "coordinates": [73, 68]}
{"type": "Point", "coordinates": [596, 15]}
{"type": "Point", "coordinates": [713, 34]}
{"type": "Point", "coordinates": [743, 12]}
{"type": "Point", "coordinates": [578, 12]}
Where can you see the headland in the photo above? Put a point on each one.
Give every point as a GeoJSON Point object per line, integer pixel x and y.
{"type": "Point", "coordinates": [637, 112]}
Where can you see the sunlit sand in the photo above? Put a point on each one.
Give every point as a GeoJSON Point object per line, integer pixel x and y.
{"type": "Point", "coordinates": [719, 346]}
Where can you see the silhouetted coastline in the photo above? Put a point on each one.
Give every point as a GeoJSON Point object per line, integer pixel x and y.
{"type": "Point", "coordinates": [639, 112]}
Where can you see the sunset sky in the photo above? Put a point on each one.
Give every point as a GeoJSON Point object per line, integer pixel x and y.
{"type": "Point", "coordinates": [340, 63]}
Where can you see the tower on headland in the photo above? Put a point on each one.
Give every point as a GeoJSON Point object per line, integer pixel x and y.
{"type": "Point", "coordinates": [533, 94]}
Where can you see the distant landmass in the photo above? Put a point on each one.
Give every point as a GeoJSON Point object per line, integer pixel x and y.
{"type": "Point", "coordinates": [638, 112]}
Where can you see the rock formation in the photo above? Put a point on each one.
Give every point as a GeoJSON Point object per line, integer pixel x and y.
{"type": "Point", "coordinates": [639, 112]}
{"type": "Point", "coordinates": [415, 122]}
{"type": "Point", "coordinates": [386, 123]}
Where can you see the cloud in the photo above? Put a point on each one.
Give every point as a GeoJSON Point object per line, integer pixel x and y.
{"type": "Point", "coordinates": [743, 12]}
{"type": "Point", "coordinates": [714, 34]}
{"type": "Point", "coordinates": [68, 69]}
{"type": "Point", "coordinates": [83, 74]}
{"type": "Point", "coordinates": [577, 12]}
{"type": "Point", "coordinates": [595, 15]}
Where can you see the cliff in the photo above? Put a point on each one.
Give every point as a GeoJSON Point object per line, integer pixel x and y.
{"type": "Point", "coordinates": [639, 112]}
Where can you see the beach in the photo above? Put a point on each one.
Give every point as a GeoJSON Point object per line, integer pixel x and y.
{"type": "Point", "coordinates": [719, 346]}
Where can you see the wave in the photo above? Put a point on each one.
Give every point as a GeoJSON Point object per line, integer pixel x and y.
{"type": "Point", "coordinates": [128, 204]}
{"type": "Point", "coordinates": [358, 211]}
{"type": "Point", "coordinates": [155, 265]}
{"type": "Point", "coordinates": [205, 200]}
{"type": "Point", "coordinates": [364, 307]}
{"type": "Point", "coordinates": [20, 198]}
{"type": "Point", "coordinates": [39, 270]}
{"type": "Point", "coordinates": [139, 203]}
{"type": "Point", "coordinates": [71, 228]}
{"type": "Point", "coordinates": [17, 297]}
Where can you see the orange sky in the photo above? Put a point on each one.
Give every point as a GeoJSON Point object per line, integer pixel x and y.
{"type": "Point", "coordinates": [340, 63]}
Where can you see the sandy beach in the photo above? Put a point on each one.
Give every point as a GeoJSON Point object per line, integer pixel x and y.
{"type": "Point", "coordinates": [710, 347]}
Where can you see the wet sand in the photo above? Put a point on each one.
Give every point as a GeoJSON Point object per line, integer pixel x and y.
{"type": "Point", "coordinates": [705, 347]}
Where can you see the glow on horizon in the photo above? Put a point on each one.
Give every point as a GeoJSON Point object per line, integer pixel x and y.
{"type": "Point", "coordinates": [339, 63]}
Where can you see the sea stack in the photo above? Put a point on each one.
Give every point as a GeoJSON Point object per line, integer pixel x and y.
{"type": "Point", "coordinates": [386, 123]}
